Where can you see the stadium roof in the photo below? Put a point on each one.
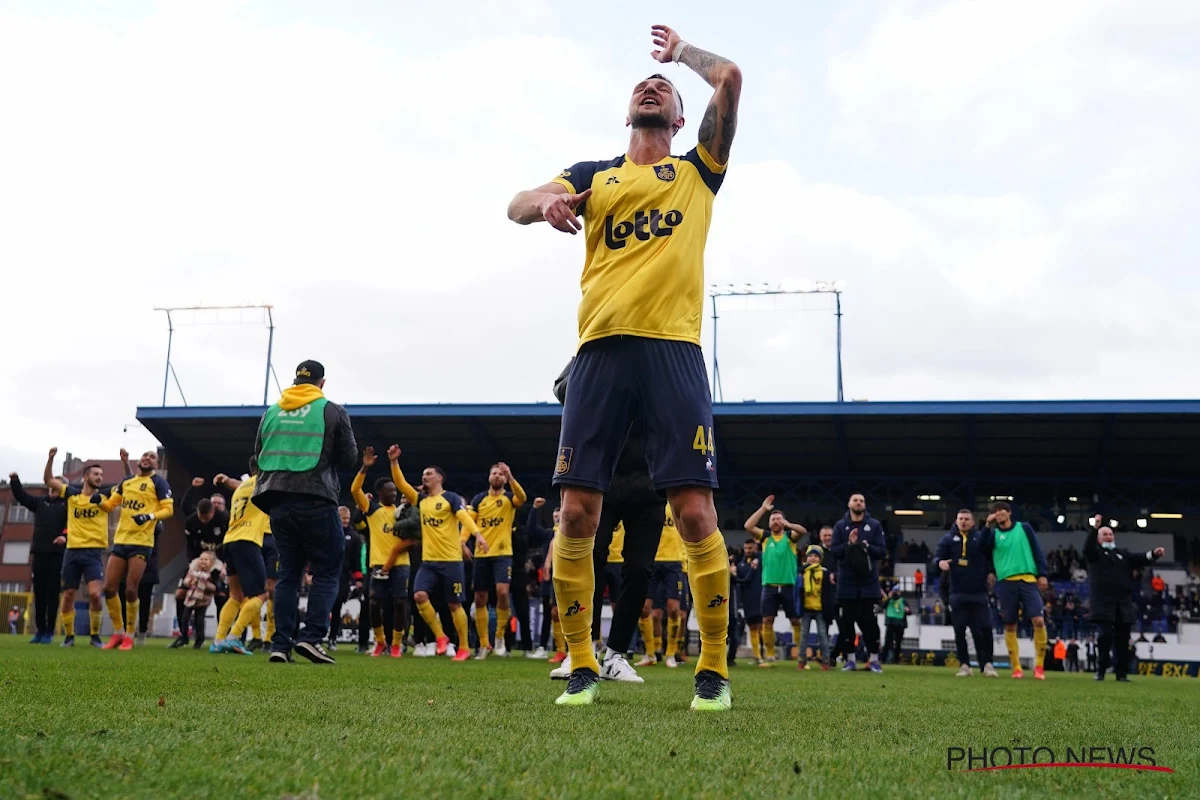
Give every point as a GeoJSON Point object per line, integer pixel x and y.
{"type": "Point", "coordinates": [1093, 442]}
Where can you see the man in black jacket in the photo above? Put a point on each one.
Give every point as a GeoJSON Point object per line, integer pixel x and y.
{"type": "Point", "coordinates": [1110, 571]}
{"type": "Point", "coordinates": [302, 442]}
{"type": "Point", "coordinates": [966, 565]}
{"type": "Point", "coordinates": [203, 531]}
{"type": "Point", "coordinates": [858, 546]}
{"type": "Point", "coordinates": [49, 541]}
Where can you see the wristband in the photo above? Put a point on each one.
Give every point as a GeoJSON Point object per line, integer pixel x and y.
{"type": "Point", "coordinates": [678, 51]}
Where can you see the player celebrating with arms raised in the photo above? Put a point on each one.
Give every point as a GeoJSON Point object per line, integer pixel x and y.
{"type": "Point", "coordinates": [495, 511]}
{"type": "Point", "coordinates": [645, 219]}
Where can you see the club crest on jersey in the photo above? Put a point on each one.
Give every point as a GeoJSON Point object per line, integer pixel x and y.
{"type": "Point", "coordinates": [500, 503]}
{"type": "Point", "coordinates": [437, 506]}
{"type": "Point", "coordinates": [666, 172]}
{"type": "Point", "coordinates": [563, 466]}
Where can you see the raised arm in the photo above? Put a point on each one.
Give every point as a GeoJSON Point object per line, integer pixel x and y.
{"type": "Point", "coordinates": [719, 124]}
{"type": "Point", "coordinates": [518, 494]}
{"type": "Point", "coordinates": [797, 531]}
{"type": "Point", "coordinates": [406, 488]}
{"type": "Point", "coordinates": [21, 496]}
{"type": "Point", "coordinates": [356, 486]}
{"type": "Point", "coordinates": [48, 474]}
{"type": "Point", "coordinates": [752, 521]}
{"type": "Point", "coordinates": [221, 479]}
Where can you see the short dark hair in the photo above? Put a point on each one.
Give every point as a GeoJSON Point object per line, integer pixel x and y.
{"type": "Point", "coordinates": [438, 470]}
{"type": "Point", "coordinates": [379, 484]}
{"type": "Point", "coordinates": [253, 465]}
{"type": "Point", "coordinates": [965, 511]}
{"type": "Point", "coordinates": [91, 467]}
{"type": "Point", "coordinates": [205, 506]}
{"type": "Point", "coordinates": [678, 96]}
{"type": "Point", "coordinates": [825, 528]}
{"type": "Point", "coordinates": [750, 540]}
{"type": "Point", "coordinates": [775, 511]}
{"type": "Point", "coordinates": [1002, 505]}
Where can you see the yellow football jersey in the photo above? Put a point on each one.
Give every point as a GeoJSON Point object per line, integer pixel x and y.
{"type": "Point", "coordinates": [381, 521]}
{"type": "Point", "coordinates": [616, 549]}
{"type": "Point", "coordinates": [645, 228]}
{"type": "Point", "coordinates": [141, 495]}
{"type": "Point", "coordinates": [670, 544]}
{"type": "Point", "coordinates": [494, 514]}
{"type": "Point", "coordinates": [440, 536]}
{"type": "Point", "coordinates": [247, 522]}
{"type": "Point", "coordinates": [87, 522]}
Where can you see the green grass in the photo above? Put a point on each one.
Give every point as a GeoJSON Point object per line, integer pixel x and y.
{"type": "Point", "coordinates": [85, 723]}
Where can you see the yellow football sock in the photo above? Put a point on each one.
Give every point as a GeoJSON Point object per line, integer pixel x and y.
{"type": "Point", "coordinates": [379, 635]}
{"type": "Point", "coordinates": [270, 634]}
{"type": "Point", "coordinates": [1039, 646]}
{"type": "Point", "coordinates": [459, 615]}
{"type": "Point", "coordinates": [708, 571]}
{"type": "Point", "coordinates": [658, 643]}
{"type": "Point", "coordinates": [502, 617]}
{"type": "Point", "coordinates": [1014, 657]}
{"type": "Point", "coordinates": [768, 636]}
{"type": "Point", "coordinates": [756, 643]}
{"type": "Point", "coordinates": [68, 622]}
{"type": "Point", "coordinates": [431, 618]}
{"type": "Point", "coordinates": [646, 626]}
{"type": "Point", "coordinates": [114, 613]}
{"type": "Point", "coordinates": [672, 637]}
{"type": "Point", "coordinates": [574, 588]}
{"type": "Point", "coordinates": [229, 615]}
{"type": "Point", "coordinates": [397, 637]}
{"type": "Point", "coordinates": [248, 615]}
{"type": "Point", "coordinates": [796, 640]}
{"type": "Point", "coordinates": [560, 645]}
{"type": "Point", "coordinates": [481, 625]}
{"type": "Point", "coordinates": [95, 617]}
{"type": "Point", "coordinates": [131, 616]}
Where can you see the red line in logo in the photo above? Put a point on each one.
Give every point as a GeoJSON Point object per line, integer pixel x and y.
{"type": "Point", "coordinates": [1088, 764]}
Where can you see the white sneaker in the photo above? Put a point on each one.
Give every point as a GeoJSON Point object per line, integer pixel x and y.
{"type": "Point", "coordinates": [562, 671]}
{"type": "Point", "coordinates": [989, 671]}
{"type": "Point", "coordinates": [418, 651]}
{"type": "Point", "coordinates": [483, 654]}
{"type": "Point", "coordinates": [451, 650]}
{"type": "Point", "coordinates": [500, 650]}
{"type": "Point", "coordinates": [617, 668]}
{"type": "Point", "coordinates": [648, 660]}
{"type": "Point", "coordinates": [539, 654]}
{"type": "Point", "coordinates": [964, 671]}
{"type": "Point", "coordinates": [671, 662]}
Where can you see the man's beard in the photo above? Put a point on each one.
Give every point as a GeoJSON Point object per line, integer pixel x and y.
{"type": "Point", "coordinates": [651, 120]}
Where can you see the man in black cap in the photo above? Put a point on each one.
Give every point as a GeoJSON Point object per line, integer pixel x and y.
{"type": "Point", "coordinates": [1110, 570]}
{"type": "Point", "coordinates": [302, 442]}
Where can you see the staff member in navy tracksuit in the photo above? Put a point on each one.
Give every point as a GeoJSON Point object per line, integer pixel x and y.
{"type": "Point", "coordinates": [859, 547]}
{"type": "Point", "coordinates": [960, 555]}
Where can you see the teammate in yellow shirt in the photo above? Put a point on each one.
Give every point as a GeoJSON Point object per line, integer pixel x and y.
{"type": "Point", "coordinates": [443, 548]}
{"type": "Point", "coordinates": [244, 565]}
{"type": "Point", "coordinates": [494, 511]}
{"type": "Point", "coordinates": [646, 216]}
{"type": "Point", "coordinates": [666, 588]}
{"type": "Point", "coordinates": [87, 538]}
{"type": "Point", "coordinates": [145, 500]}
{"type": "Point", "coordinates": [388, 574]}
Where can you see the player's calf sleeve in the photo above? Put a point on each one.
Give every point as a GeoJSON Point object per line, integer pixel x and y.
{"type": "Point", "coordinates": [399, 621]}
{"type": "Point", "coordinates": [270, 632]}
{"type": "Point", "coordinates": [560, 644]}
{"type": "Point", "coordinates": [768, 637]}
{"type": "Point", "coordinates": [131, 616]}
{"type": "Point", "coordinates": [574, 588]}
{"type": "Point", "coordinates": [114, 613]}
{"type": "Point", "coordinates": [646, 626]}
{"type": "Point", "coordinates": [430, 615]}
{"type": "Point", "coordinates": [796, 640]}
{"type": "Point", "coordinates": [708, 569]}
{"type": "Point", "coordinates": [229, 615]}
{"type": "Point", "coordinates": [502, 617]}
{"type": "Point", "coordinates": [1039, 646]}
{"type": "Point", "coordinates": [672, 637]}
{"type": "Point", "coordinates": [459, 615]}
{"type": "Point", "coordinates": [1010, 642]}
{"type": "Point", "coordinates": [68, 622]}
{"type": "Point", "coordinates": [248, 614]}
{"type": "Point", "coordinates": [95, 617]}
{"type": "Point", "coordinates": [481, 625]}
{"type": "Point", "coordinates": [756, 643]}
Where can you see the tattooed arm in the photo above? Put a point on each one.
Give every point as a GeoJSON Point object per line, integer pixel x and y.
{"type": "Point", "coordinates": [719, 124]}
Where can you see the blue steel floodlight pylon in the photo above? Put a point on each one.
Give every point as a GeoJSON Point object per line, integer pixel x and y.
{"type": "Point", "coordinates": [170, 369]}
{"type": "Point", "coordinates": [715, 291]}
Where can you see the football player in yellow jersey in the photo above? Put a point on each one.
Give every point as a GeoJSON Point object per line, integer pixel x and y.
{"type": "Point", "coordinates": [87, 538]}
{"type": "Point", "coordinates": [494, 511]}
{"type": "Point", "coordinates": [645, 221]}
{"type": "Point", "coordinates": [388, 585]}
{"type": "Point", "coordinates": [244, 566]}
{"type": "Point", "coordinates": [443, 548]}
{"type": "Point", "coordinates": [666, 587]}
{"type": "Point", "coordinates": [145, 498]}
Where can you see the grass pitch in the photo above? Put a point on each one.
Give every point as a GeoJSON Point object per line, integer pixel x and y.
{"type": "Point", "coordinates": [180, 723]}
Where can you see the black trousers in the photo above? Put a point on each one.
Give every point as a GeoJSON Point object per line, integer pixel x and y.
{"type": "Point", "coordinates": [973, 617]}
{"type": "Point", "coordinates": [643, 527]}
{"type": "Point", "coordinates": [859, 612]}
{"type": "Point", "coordinates": [335, 614]}
{"type": "Point", "coordinates": [364, 620]}
{"type": "Point", "coordinates": [518, 598]}
{"type": "Point", "coordinates": [544, 634]}
{"type": "Point", "coordinates": [1113, 636]}
{"type": "Point", "coordinates": [145, 598]}
{"type": "Point", "coordinates": [47, 586]}
{"type": "Point", "coordinates": [893, 640]}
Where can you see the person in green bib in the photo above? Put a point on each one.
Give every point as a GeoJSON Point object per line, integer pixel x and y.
{"type": "Point", "coordinates": [1020, 575]}
{"type": "Point", "coordinates": [780, 566]}
{"type": "Point", "coordinates": [303, 440]}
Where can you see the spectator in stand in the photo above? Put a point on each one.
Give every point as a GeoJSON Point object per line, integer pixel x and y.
{"type": "Point", "coordinates": [919, 580]}
{"type": "Point", "coordinates": [1060, 654]}
{"type": "Point", "coordinates": [1090, 654]}
{"type": "Point", "coordinates": [1073, 656]}
{"type": "Point", "coordinates": [49, 542]}
{"type": "Point", "coordinates": [14, 617]}
{"type": "Point", "coordinates": [858, 546]}
{"type": "Point", "coordinates": [1111, 571]}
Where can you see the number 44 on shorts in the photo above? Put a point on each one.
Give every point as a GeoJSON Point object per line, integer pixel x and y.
{"type": "Point", "coordinates": [703, 445]}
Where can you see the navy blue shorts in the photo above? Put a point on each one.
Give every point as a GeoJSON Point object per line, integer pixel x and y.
{"type": "Point", "coordinates": [128, 551]}
{"type": "Point", "coordinates": [1018, 593]}
{"type": "Point", "coordinates": [618, 379]}
{"type": "Point", "coordinates": [752, 605]}
{"type": "Point", "coordinates": [449, 576]}
{"type": "Point", "coordinates": [394, 588]}
{"type": "Point", "coordinates": [666, 582]}
{"type": "Point", "coordinates": [777, 597]}
{"type": "Point", "coordinates": [244, 560]}
{"type": "Point", "coordinates": [82, 563]}
{"type": "Point", "coordinates": [270, 553]}
{"type": "Point", "coordinates": [491, 570]}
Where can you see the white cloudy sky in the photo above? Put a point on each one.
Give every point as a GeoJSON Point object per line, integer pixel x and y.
{"type": "Point", "coordinates": [1008, 188]}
